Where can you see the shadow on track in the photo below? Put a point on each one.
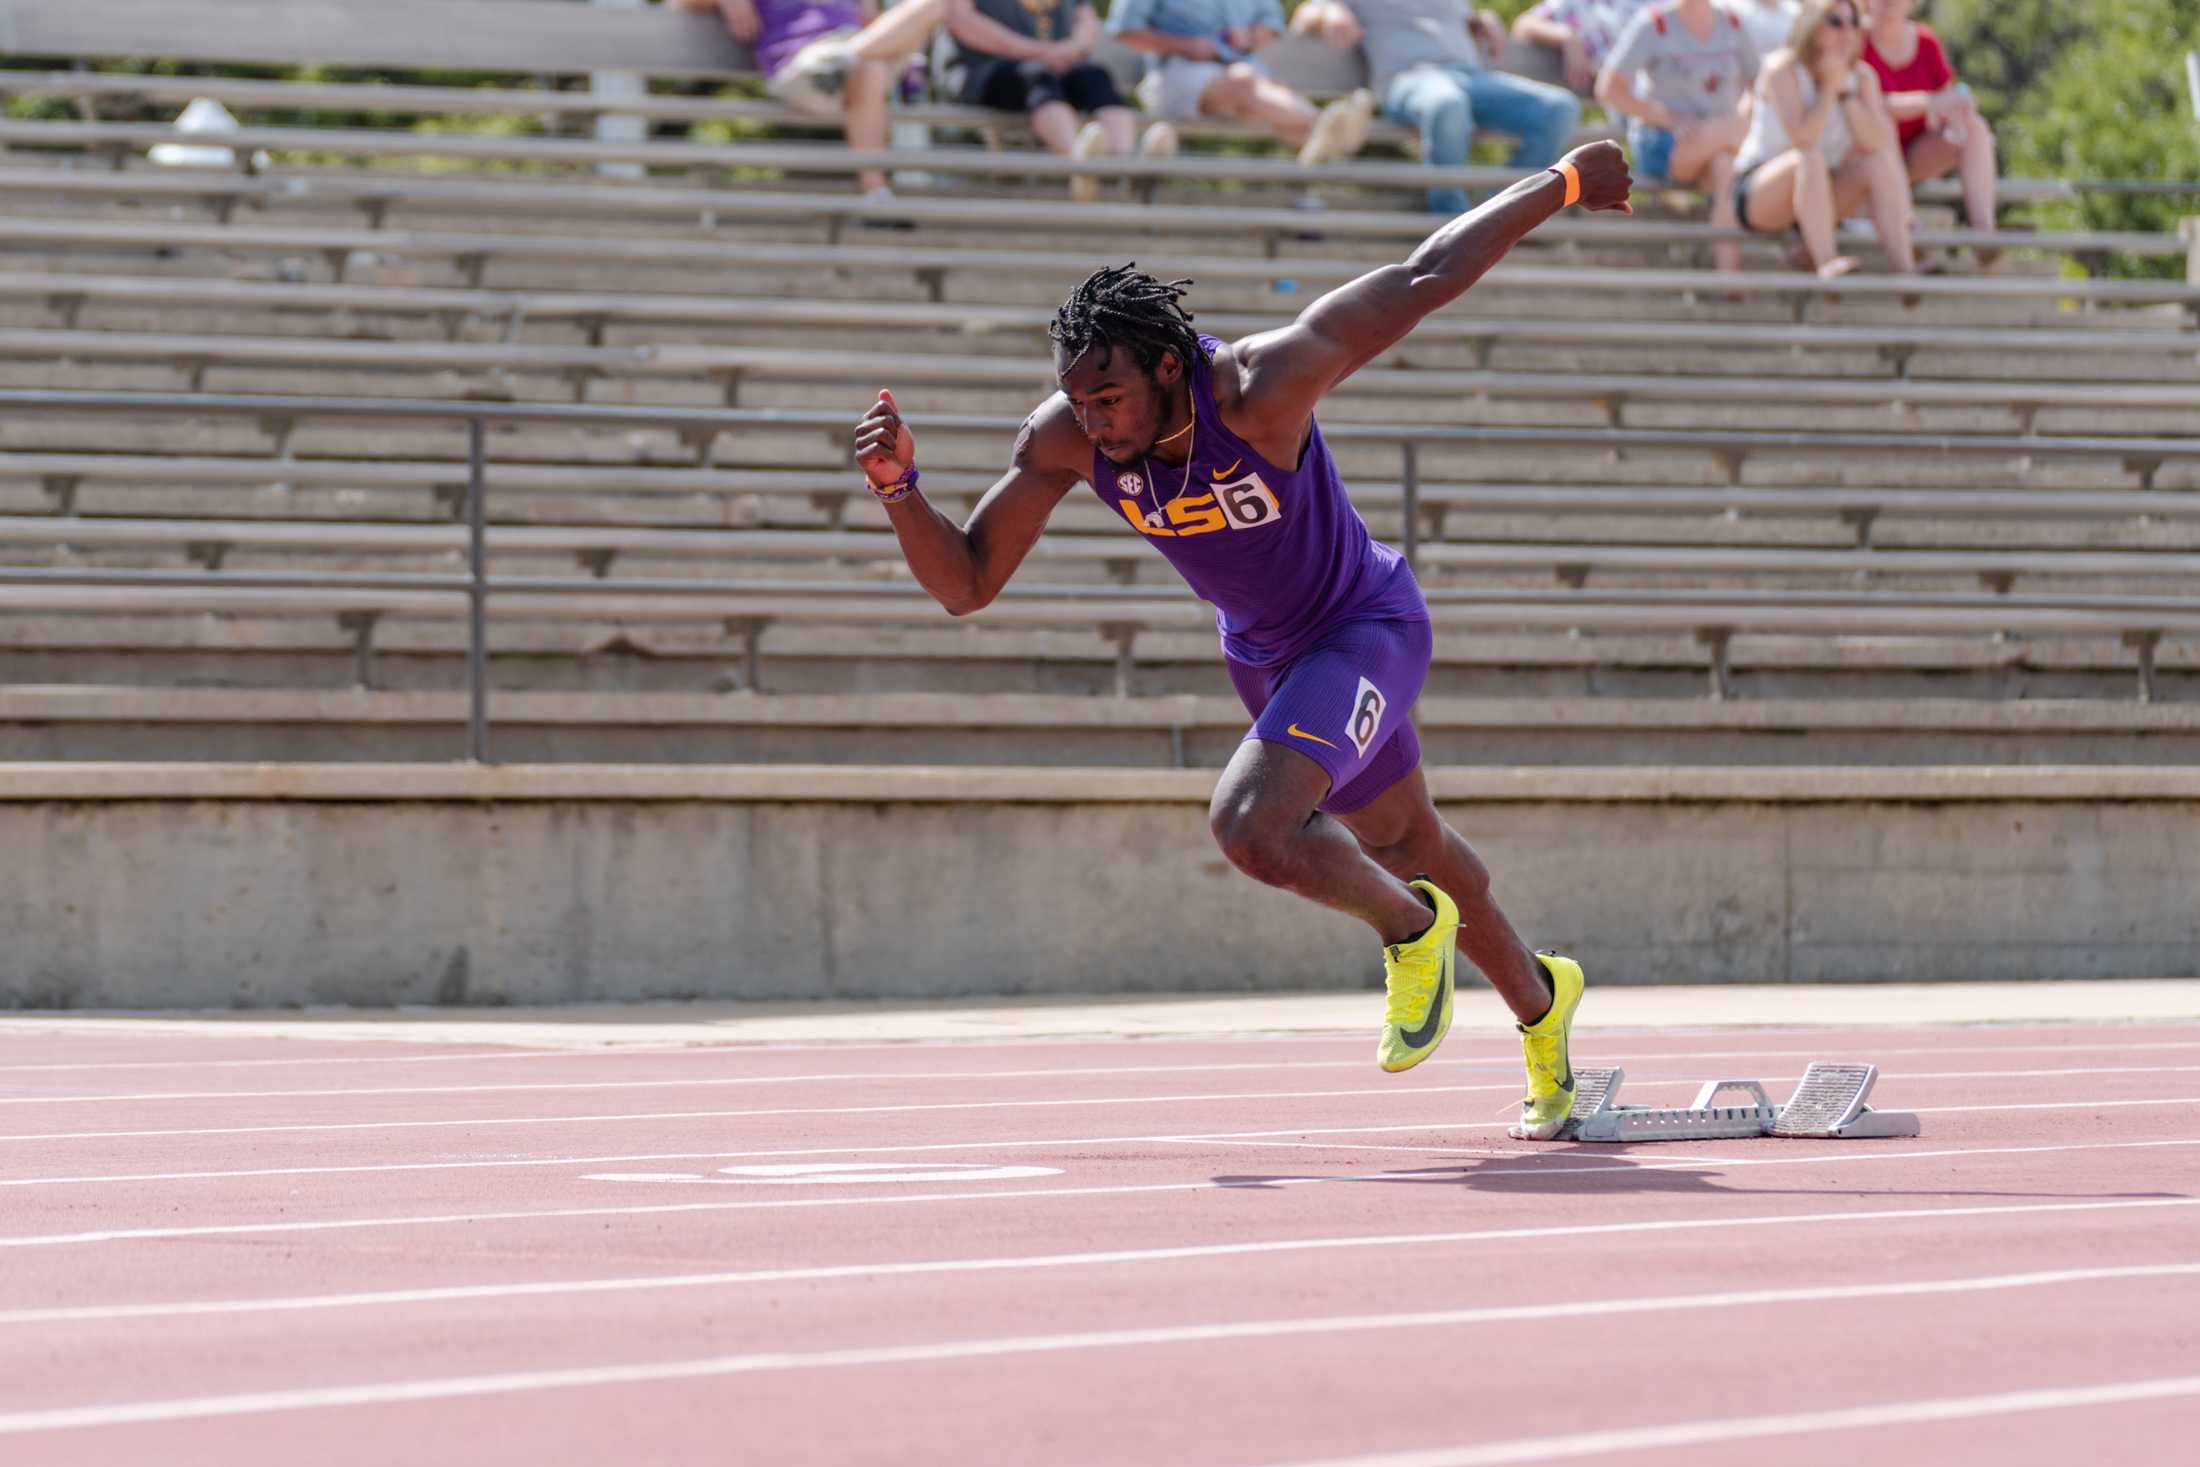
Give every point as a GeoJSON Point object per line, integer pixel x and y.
{"type": "Point", "coordinates": [1600, 1171]}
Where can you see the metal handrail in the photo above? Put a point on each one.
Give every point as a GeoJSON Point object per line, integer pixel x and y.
{"type": "Point", "coordinates": [1137, 597]}
{"type": "Point", "coordinates": [282, 407]}
{"type": "Point", "coordinates": [705, 423]}
{"type": "Point", "coordinates": [836, 158]}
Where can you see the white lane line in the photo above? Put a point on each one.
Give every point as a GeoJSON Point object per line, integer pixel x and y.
{"type": "Point", "coordinates": [717, 1051]}
{"type": "Point", "coordinates": [713, 1081]}
{"type": "Point", "coordinates": [56, 1067]}
{"type": "Point", "coordinates": [1630, 1157]}
{"type": "Point", "coordinates": [352, 1224]}
{"type": "Point", "coordinates": [1794, 1423]}
{"type": "Point", "coordinates": [191, 1408]}
{"type": "Point", "coordinates": [1949, 1110]}
{"type": "Point", "coordinates": [543, 1161]}
{"type": "Point", "coordinates": [1392, 1091]}
{"type": "Point", "coordinates": [705, 1115]}
{"type": "Point", "coordinates": [717, 1081]}
{"type": "Point", "coordinates": [91, 1313]}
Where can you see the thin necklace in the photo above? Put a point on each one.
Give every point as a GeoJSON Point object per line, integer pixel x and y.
{"type": "Point", "coordinates": [1184, 485]}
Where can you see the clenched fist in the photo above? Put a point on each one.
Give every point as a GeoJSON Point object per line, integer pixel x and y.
{"type": "Point", "coordinates": [1605, 181]}
{"type": "Point", "coordinates": [883, 444]}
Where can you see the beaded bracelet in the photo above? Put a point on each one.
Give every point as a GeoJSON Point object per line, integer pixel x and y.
{"type": "Point", "coordinates": [899, 490]}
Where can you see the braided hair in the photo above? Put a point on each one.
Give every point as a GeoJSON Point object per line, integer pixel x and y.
{"type": "Point", "coordinates": [1130, 309]}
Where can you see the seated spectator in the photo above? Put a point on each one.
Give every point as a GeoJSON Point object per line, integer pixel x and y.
{"type": "Point", "coordinates": [1425, 61]}
{"type": "Point", "coordinates": [1768, 23]}
{"type": "Point", "coordinates": [1035, 57]}
{"type": "Point", "coordinates": [1203, 66]}
{"type": "Point", "coordinates": [1820, 125]}
{"type": "Point", "coordinates": [1582, 32]}
{"type": "Point", "coordinates": [1679, 74]}
{"type": "Point", "coordinates": [1939, 127]}
{"type": "Point", "coordinates": [832, 58]}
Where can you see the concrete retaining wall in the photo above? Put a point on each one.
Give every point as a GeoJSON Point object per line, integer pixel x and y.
{"type": "Point", "coordinates": [141, 886]}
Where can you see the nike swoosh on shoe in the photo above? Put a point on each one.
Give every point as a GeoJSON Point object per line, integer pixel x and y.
{"type": "Point", "coordinates": [1427, 1031]}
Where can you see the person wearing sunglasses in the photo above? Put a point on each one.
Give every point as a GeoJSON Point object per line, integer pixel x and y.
{"type": "Point", "coordinates": [1820, 126]}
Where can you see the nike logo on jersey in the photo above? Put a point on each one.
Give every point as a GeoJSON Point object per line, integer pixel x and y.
{"type": "Point", "coordinates": [1297, 732]}
{"type": "Point", "coordinates": [1221, 474]}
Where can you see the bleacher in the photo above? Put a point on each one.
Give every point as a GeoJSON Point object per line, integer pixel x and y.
{"type": "Point", "coordinates": [1664, 515]}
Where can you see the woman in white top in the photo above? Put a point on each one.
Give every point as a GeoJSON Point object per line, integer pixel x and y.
{"type": "Point", "coordinates": [1821, 124]}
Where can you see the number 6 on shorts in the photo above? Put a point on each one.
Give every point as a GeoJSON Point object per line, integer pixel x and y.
{"type": "Point", "coordinates": [1367, 716]}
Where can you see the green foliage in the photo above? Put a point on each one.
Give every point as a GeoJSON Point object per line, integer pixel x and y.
{"type": "Point", "coordinates": [2108, 102]}
{"type": "Point", "coordinates": [2001, 48]}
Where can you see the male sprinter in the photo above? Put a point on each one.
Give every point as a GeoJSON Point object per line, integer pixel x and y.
{"type": "Point", "coordinates": [1210, 449]}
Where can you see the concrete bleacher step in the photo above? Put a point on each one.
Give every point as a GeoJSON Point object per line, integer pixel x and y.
{"type": "Point", "coordinates": [1059, 557]}
{"type": "Point", "coordinates": [1197, 730]}
{"type": "Point", "coordinates": [980, 452]}
{"type": "Point", "coordinates": [1035, 272]}
{"type": "Point", "coordinates": [1784, 647]}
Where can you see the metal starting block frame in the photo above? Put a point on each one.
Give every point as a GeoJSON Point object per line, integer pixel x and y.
{"type": "Point", "coordinates": [1828, 1103]}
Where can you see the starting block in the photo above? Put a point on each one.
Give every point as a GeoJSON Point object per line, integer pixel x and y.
{"type": "Point", "coordinates": [1829, 1103]}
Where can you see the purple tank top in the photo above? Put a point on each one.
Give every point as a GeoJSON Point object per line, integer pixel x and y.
{"type": "Point", "coordinates": [1280, 552]}
{"type": "Point", "coordinates": [786, 26]}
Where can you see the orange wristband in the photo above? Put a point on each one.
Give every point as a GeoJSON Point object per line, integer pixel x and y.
{"type": "Point", "coordinates": [1572, 175]}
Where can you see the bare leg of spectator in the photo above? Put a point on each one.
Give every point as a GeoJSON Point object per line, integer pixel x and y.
{"type": "Point", "coordinates": [1120, 125]}
{"type": "Point", "coordinates": [1056, 125]}
{"type": "Point", "coordinates": [1935, 155]}
{"type": "Point", "coordinates": [1980, 170]}
{"type": "Point", "coordinates": [1719, 179]}
{"type": "Point", "coordinates": [1796, 190]}
{"type": "Point", "coordinates": [1706, 153]}
{"type": "Point", "coordinates": [1887, 185]}
{"type": "Point", "coordinates": [900, 32]}
{"type": "Point", "coordinates": [1242, 94]}
{"type": "Point", "coordinates": [865, 124]}
{"type": "Point", "coordinates": [1110, 134]}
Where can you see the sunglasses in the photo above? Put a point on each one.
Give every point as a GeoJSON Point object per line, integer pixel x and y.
{"type": "Point", "coordinates": [1837, 23]}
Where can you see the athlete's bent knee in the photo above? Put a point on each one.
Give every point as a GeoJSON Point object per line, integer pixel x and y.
{"type": "Point", "coordinates": [1250, 843]}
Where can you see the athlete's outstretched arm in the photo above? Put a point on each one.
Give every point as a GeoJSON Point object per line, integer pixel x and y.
{"type": "Point", "coordinates": [964, 569]}
{"type": "Point", "coordinates": [1284, 373]}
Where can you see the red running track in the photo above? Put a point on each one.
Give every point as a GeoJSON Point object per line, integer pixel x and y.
{"type": "Point", "coordinates": [238, 1251]}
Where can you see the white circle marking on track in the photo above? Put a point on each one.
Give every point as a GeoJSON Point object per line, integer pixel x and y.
{"type": "Point", "coordinates": [807, 1173]}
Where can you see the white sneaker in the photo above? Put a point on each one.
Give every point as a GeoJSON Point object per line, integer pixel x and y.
{"type": "Point", "coordinates": [1158, 141]}
{"type": "Point", "coordinates": [1092, 142]}
{"type": "Point", "coordinates": [1340, 131]}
